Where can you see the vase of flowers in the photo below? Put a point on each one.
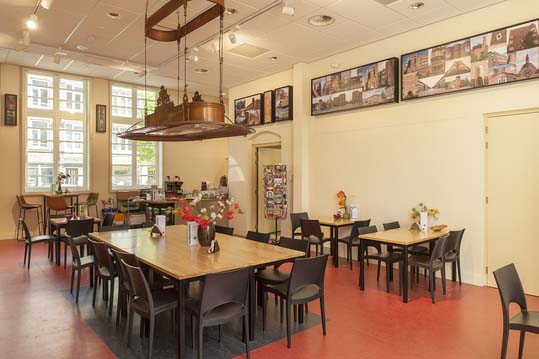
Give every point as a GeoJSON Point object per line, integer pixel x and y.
{"type": "Point", "coordinates": [59, 181]}
{"type": "Point", "coordinates": [421, 213]}
{"type": "Point", "coordinates": [206, 217]}
{"type": "Point", "coordinates": [342, 204]}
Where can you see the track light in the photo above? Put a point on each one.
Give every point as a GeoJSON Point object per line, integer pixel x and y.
{"type": "Point", "coordinates": [46, 4]}
{"type": "Point", "coordinates": [31, 23]}
{"type": "Point", "coordinates": [288, 10]}
{"type": "Point", "coordinates": [232, 37]}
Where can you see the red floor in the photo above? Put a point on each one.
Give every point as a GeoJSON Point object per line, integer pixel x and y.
{"type": "Point", "coordinates": [37, 321]}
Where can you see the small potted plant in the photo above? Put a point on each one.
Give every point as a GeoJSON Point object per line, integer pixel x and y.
{"type": "Point", "coordinates": [342, 204]}
{"type": "Point", "coordinates": [206, 217]}
{"type": "Point", "coordinates": [60, 180]}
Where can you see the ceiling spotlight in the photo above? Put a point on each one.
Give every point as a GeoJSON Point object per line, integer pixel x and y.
{"type": "Point", "coordinates": [417, 5]}
{"type": "Point", "coordinates": [82, 47]}
{"type": "Point", "coordinates": [26, 38]}
{"type": "Point", "coordinates": [32, 22]}
{"type": "Point", "coordinates": [273, 58]}
{"type": "Point", "coordinates": [321, 20]}
{"type": "Point", "coordinates": [201, 71]}
{"type": "Point", "coordinates": [231, 11]}
{"type": "Point", "coordinates": [46, 4]}
{"type": "Point", "coordinates": [288, 10]}
{"type": "Point", "coordinates": [113, 15]}
{"type": "Point", "coordinates": [232, 37]}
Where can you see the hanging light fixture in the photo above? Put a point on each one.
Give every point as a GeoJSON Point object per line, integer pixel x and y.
{"type": "Point", "coordinates": [188, 121]}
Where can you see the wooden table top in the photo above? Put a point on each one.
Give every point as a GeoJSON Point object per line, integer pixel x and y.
{"type": "Point", "coordinates": [332, 222]}
{"type": "Point", "coordinates": [172, 255]}
{"type": "Point", "coordinates": [70, 194]}
{"type": "Point", "coordinates": [404, 236]}
{"type": "Point", "coordinates": [62, 221]}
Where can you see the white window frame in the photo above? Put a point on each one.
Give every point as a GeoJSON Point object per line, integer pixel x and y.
{"type": "Point", "coordinates": [129, 121]}
{"type": "Point", "coordinates": [56, 115]}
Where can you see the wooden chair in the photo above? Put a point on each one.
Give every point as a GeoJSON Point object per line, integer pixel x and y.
{"type": "Point", "coordinates": [91, 201]}
{"type": "Point", "coordinates": [25, 206]}
{"type": "Point", "coordinates": [511, 291]}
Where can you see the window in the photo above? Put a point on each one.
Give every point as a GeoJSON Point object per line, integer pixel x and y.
{"type": "Point", "coordinates": [56, 131]}
{"type": "Point", "coordinates": [135, 164]}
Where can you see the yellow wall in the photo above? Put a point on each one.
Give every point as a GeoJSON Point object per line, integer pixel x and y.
{"type": "Point", "coordinates": [390, 157]}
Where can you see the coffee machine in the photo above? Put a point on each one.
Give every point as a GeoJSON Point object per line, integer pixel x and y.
{"type": "Point", "coordinates": [173, 188]}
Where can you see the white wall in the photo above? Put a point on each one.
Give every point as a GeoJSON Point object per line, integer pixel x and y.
{"type": "Point", "coordinates": [393, 156]}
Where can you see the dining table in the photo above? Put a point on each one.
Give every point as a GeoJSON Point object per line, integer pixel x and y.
{"type": "Point", "coordinates": [58, 223]}
{"type": "Point", "coordinates": [73, 201]}
{"type": "Point", "coordinates": [403, 238]}
{"type": "Point", "coordinates": [334, 225]}
{"type": "Point", "coordinates": [171, 255]}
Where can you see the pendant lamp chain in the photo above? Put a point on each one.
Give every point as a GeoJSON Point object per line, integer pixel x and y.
{"type": "Point", "coordinates": [178, 55]}
{"type": "Point", "coordinates": [145, 63]}
{"type": "Point", "coordinates": [221, 57]}
{"type": "Point", "coordinates": [185, 99]}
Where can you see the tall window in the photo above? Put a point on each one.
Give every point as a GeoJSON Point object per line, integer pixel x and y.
{"type": "Point", "coordinates": [135, 164]}
{"type": "Point", "coordinates": [56, 131]}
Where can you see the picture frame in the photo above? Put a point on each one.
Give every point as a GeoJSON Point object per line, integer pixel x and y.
{"type": "Point", "coordinates": [269, 110]}
{"type": "Point", "coordinates": [10, 109]}
{"type": "Point", "coordinates": [283, 104]}
{"type": "Point", "coordinates": [501, 56]}
{"type": "Point", "coordinates": [248, 110]}
{"type": "Point", "coordinates": [100, 118]}
{"type": "Point", "coordinates": [358, 87]}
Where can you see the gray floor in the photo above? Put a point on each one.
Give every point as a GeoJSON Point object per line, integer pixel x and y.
{"type": "Point", "coordinates": [165, 345]}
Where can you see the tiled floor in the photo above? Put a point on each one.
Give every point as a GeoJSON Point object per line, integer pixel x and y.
{"type": "Point", "coordinates": [36, 320]}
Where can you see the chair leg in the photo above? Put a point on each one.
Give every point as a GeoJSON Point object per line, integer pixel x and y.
{"type": "Point", "coordinates": [29, 255]}
{"type": "Point", "coordinates": [350, 256]}
{"type": "Point", "coordinates": [193, 333]}
{"type": "Point", "coordinates": [119, 306]}
{"type": "Point", "coordinates": [65, 253]}
{"type": "Point", "coordinates": [282, 308]}
{"type": "Point", "coordinates": [79, 273]}
{"type": "Point", "coordinates": [458, 267]}
{"type": "Point", "coordinates": [25, 251]}
{"type": "Point", "coordinates": [264, 303]}
{"type": "Point", "coordinates": [323, 314]}
{"type": "Point", "coordinates": [443, 279]}
{"type": "Point", "coordinates": [150, 342]}
{"type": "Point", "coordinates": [505, 339]}
{"type": "Point", "coordinates": [388, 275]}
{"type": "Point", "coordinates": [200, 339]}
{"type": "Point", "coordinates": [94, 291]}
{"type": "Point", "coordinates": [306, 308]}
{"type": "Point", "coordinates": [245, 331]}
{"type": "Point", "coordinates": [432, 288]}
{"type": "Point", "coordinates": [18, 225]}
{"type": "Point", "coordinates": [377, 272]}
{"type": "Point", "coordinates": [111, 298]}
{"type": "Point", "coordinates": [72, 279]}
{"type": "Point", "coordinates": [322, 248]}
{"type": "Point", "coordinates": [295, 308]}
{"type": "Point", "coordinates": [454, 271]}
{"type": "Point", "coordinates": [412, 270]}
{"type": "Point", "coordinates": [521, 344]}
{"type": "Point", "coordinates": [130, 325]}
{"type": "Point", "coordinates": [288, 325]}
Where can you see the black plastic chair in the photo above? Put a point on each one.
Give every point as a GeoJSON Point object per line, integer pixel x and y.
{"type": "Point", "coordinates": [124, 287]}
{"type": "Point", "coordinates": [108, 220]}
{"type": "Point", "coordinates": [511, 291]}
{"type": "Point", "coordinates": [223, 298]}
{"type": "Point", "coordinates": [258, 237]}
{"type": "Point", "coordinates": [352, 240]}
{"type": "Point", "coordinates": [77, 229]}
{"type": "Point", "coordinates": [305, 285]}
{"type": "Point", "coordinates": [224, 230]}
{"type": "Point", "coordinates": [79, 263]}
{"type": "Point", "coordinates": [452, 253]}
{"type": "Point", "coordinates": [433, 263]}
{"type": "Point", "coordinates": [29, 241]}
{"type": "Point", "coordinates": [123, 227]}
{"type": "Point", "coordinates": [296, 224]}
{"type": "Point", "coordinates": [311, 231]}
{"type": "Point", "coordinates": [104, 271]}
{"type": "Point", "coordinates": [145, 303]}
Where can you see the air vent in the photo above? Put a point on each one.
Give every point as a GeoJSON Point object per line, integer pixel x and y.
{"type": "Point", "coordinates": [386, 2]}
{"type": "Point", "coordinates": [247, 50]}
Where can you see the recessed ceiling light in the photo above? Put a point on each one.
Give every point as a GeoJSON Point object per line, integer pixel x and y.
{"type": "Point", "coordinates": [60, 53]}
{"type": "Point", "coordinates": [417, 5]}
{"type": "Point", "coordinates": [321, 20]}
{"type": "Point", "coordinates": [113, 15]}
{"type": "Point", "coordinates": [82, 47]}
{"type": "Point", "coordinates": [335, 65]}
{"type": "Point", "coordinates": [231, 11]}
{"type": "Point", "coordinates": [273, 58]}
{"type": "Point", "coordinates": [201, 71]}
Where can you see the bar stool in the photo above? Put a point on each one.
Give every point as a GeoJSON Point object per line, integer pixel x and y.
{"type": "Point", "coordinates": [91, 201]}
{"type": "Point", "coordinates": [25, 206]}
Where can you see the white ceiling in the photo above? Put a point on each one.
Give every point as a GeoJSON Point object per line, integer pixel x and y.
{"type": "Point", "coordinates": [116, 46]}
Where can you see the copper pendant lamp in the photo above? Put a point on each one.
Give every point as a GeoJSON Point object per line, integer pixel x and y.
{"type": "Point", "coordinates": [188, 121]}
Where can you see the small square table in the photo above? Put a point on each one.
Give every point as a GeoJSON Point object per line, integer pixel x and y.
{"type": "Point", "coordinates": [334, 225]}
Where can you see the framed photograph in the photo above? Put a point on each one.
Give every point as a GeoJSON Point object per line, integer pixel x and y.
{"type": "Point", "coordinates": [100, 118]}
{"type": "Point", "coordinates": [283, 104]}
{"type": "Point", "coordinates": [268, 107]}
{"type": "Point", "coordinates": [497, 57]}
{"type": "Point", "coordinates": [358, 87]}
{"type": "Point", "coordinates": [10, 110]}
{"type": "Point", "coordinates": [248, 110]}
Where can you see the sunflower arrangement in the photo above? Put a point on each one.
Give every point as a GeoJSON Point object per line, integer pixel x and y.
{"type": "Point", "coordinates": [421, 207]}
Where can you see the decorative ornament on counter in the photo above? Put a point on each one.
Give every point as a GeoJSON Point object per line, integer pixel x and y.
{"type": "Point", "coordinates": [155, 231]}
{"type": "Point", "coordinates": [214, 247]}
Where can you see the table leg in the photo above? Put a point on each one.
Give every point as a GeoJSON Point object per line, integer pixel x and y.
{"type": "Point", "coordinates": [336, 247]}
{"type": "Point", "coordinates": [405, 275]}
{"type": "Point", "coordinates": [361, 265]}
{"type": "Point", "coordinates": [76, 204]}
{"type": "Point", "coordinates": [180, 318]}
{"type": "Point", "coordinates": [252, 306]}
{"type": "Point", "coordinates": [45, 219]}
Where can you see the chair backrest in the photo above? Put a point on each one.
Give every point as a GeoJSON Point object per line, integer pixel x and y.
{"type": "Point", "coordinates": [123, 227]}
{"type": "Point", "coordinates": [295, 219]}
{"type": "Point", "coordinates": [79, 227]}
{"type": "Point", "coordinates": [108, 219]}
{"type": "Point", "coordinates": [439, 249]}
{"type": "Point", "coordinates": [224, 288]}
{"type": "Point", "coordinates": [510, 289]}
{"type": "Point", "coordinates": [92, 198]}
{"type": "Point", "coordinates": [224, 230]}
{"type": "Point", "coordinates": [27, 234]}
{"type": "Point", "coordinates": [301, 245]}
{"type": "Point", "coordinates": [358, 224]}
{"type": "Point", "coordinates": [307, 271]}
{"type": "Point", "coordinates": [21, 201]}
{"type": "Point", "coordinates": [101, 254]}
{"type": "Point", "coordinates": [365, 230]}
{"type": "Point", "coordinates": [138, 284]}
{"type": "Point", "coordinates": [311, 227]}
{"type": "Point", "coordinates": [391, 225]}
{"type": "Point", "coordinates": [128, 258]}
{"type": "Point", "coordinates": [258, 237]}
{"type": "Point", "coordinates": [57, 203]}
{"type": "Point", "coordinates": [453, 241]}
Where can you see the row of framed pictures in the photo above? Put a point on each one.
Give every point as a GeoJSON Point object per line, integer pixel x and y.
{"type": "Point", "coordinates": [271, 106]}
{"type": "Point", "coordinates": [501, 56]}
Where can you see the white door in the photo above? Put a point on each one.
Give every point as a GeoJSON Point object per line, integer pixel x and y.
{"type": "Point", "coordinates": [513, 196]}
{"type": "Point", "coordinates": [266, 156]}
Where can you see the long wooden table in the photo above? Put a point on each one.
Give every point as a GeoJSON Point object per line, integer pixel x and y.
{"type": "Point", "coordinates": [334, 225]}
{"type": "Point", "coordinates": [400, 237]}
{"type": "Point", "coordinates": [172, 255]}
